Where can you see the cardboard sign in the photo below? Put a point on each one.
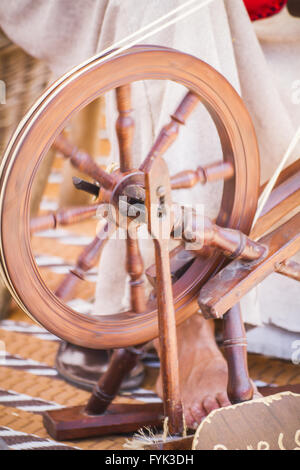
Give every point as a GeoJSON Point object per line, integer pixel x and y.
{"type": "Point", "coordinates": [269, 423]}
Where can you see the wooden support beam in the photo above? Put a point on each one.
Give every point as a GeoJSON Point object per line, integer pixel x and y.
{"type": "Point", "coordinates": [234, 281]}
{"type": "Point", "coordinates": [283, 200]}
{"type": "Point", "coordinates": [158, 200]}
{"type": "Point", "coordinates": [203, 174]}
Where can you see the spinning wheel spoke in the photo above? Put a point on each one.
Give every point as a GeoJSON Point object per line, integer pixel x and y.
{"type": "Point", "coordinates": [135, 269]}
{"type": "Point", "coordinates": [83, 161]}
{"type": "Point", "coordinates": [68, 216]}
{"type": "Point", "coordinates": [169, 133]}
{"type": "Point", "coordinates": [203, 174]}
{"type": "Point", "coordinates": [87, 260]}
{"type": "Point", "coordinates": [124, 127]}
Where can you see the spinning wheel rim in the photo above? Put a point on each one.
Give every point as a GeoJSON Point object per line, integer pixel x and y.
{"type": "Point", "coordinates": [17, 262]}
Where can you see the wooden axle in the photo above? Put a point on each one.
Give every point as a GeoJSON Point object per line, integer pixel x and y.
{"type": "Point", "coordinates": [284, 198]}
{"type": "Point", "coordinates": [201, 231]}
{"type": "Point", "coordinates": [232, 243]}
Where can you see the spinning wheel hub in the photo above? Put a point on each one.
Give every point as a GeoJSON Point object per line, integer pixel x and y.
{"type": "Point", "coordinates": [128, 193]}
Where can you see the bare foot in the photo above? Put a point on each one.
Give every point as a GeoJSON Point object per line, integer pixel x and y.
{"type": "Point", "coordinates": [202, 370]}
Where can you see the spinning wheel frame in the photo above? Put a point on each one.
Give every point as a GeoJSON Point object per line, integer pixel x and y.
{"type": "Point", "coordinates": [34, 137]}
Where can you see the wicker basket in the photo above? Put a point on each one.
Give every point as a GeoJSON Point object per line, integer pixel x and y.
{"type": "Point", "coordinates": [25, 78]}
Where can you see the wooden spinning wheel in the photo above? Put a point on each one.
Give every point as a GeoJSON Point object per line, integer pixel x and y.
{"type": "Point", "coordinates": [149, 184]}
{"type": "Point", "coordinates": [239, 168]}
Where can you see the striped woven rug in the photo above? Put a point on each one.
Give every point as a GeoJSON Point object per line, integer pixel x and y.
{"type": "Point", "coordinates": [29, 381]}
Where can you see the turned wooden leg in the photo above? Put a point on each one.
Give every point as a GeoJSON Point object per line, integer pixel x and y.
{"type": "Point", "coordinates": [100, 416]}
{"type": "Point", "coordinates": [121, 364]}
{"type": "Point", "coordinates": [235, 345]}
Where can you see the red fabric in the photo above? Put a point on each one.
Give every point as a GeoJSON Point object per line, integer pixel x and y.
{"type": "Point", "coordinates": [258, 9]}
